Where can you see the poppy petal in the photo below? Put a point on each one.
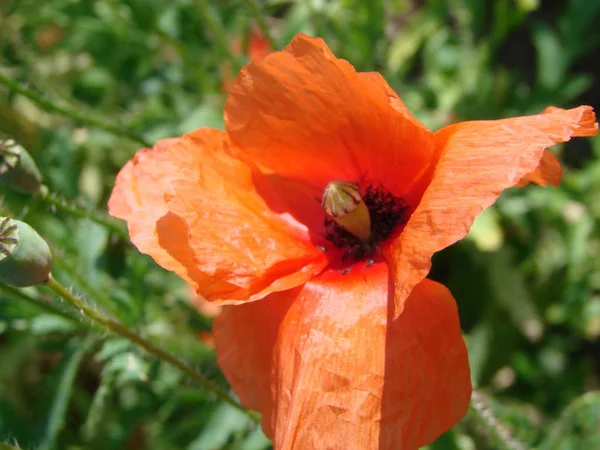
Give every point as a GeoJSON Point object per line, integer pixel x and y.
{"type": "Point", "coordinates": [549, 171]}
{"type": "Point", "coordinates": [328, 369]}
{"type": "Point", "coordinates": [194, 208]}
{"type": "Point", "coordinates": [139, 198]}
{"type": "Point", "coordinates": [478, 161]}
{"type": "Point", "coordinates": [305, 115]}
{"type": "Point", "coordinates": [245, 337]}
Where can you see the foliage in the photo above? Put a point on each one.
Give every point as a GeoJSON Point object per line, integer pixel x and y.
{"type": "Point", "coordinates": [117, 73]}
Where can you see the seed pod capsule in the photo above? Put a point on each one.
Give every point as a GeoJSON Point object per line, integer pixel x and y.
{"type": "Point", "coordinates": [18, 169]}
{"type": "Point", "coordinates": [25, 258]}
{"type": "Point", "coordinates": [343, 202]}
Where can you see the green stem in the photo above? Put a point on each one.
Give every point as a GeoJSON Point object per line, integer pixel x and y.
{"type": "Point", "coordinates": [48, 307]}
{"type": "Point", "coordinates": [97, 297]}
{"type": "Point", "coordinates": [258, 15]}
{"type": "Point", "coordinates": [123, 331]}
{"type": "Point", "coordinates": [72, 208]}
{"type": "Point", "coordinates": [80, 117]}
{"type": "Point", "coordinates": [496, 431]}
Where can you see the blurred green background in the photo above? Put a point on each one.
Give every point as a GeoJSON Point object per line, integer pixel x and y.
{"type": "Point", "coordinates": [527, 279]}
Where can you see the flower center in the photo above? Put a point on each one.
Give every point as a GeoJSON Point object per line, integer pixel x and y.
{"type": "Point", "coordinates": [343, 202]}
{"type": "Point", "coordinates": [357, 222]}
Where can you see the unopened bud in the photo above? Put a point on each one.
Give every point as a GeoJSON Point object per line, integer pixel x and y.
{"type": "Point", "coordinates": [343, 202]}
{"type": "Point", "coordinates": [18, 169]}
{"type": "Point", "coordinates": [25, 258]}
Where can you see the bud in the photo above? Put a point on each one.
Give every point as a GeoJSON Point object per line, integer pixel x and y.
{"type": "Point", "coordinates": [25, 258]}
{"type": "Point", "coordinates": [18, 169]}
{"type": "Point", "coordinates": [343, 202]}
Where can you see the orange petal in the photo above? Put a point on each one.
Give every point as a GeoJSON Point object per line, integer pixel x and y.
{"type": "Point", "coordinates": [194, 208]}
{"type": "Point", "coordinates": [329, 370]}
{"type": "Point", "coordinates": [245, 337]}
{"type": "Point", "coordinates": [478, 161]}
{"type": "Point", "coordinates": [307, 116]}
{"type": "Point", "coordinates": [139, 198]}
{"type": "Point", "coordinates": [547, 172]}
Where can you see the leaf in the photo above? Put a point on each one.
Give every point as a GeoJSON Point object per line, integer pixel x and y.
{"type": "Point", "coordinates": [91, 240]}
{"type": "Point", "coordinates": [4, 446]}
{"type": "Point", "coordinates": [205, 115]}
{"type": "Point", "coordinates": [66, 374]}
{"type": "Point", "coordinates": [553, 62]}
{"type": "Point", "coordinates": [446, 441]}
{"type": "Point", "coordinates": [577, 428]}
{"type": "Point", "coordinates": [486, 231]}
{"type": "Point", "coordinates": [96, 413]}
{"type": "Point", "coordinates": [49, 323]}
{"type": "Point", "coordinates": [479, 344]}
{"type": "Point", "coordinates": [509, 288]}
{"type": "Point", "coordinates": [406, 45]}
{"type": "Point", "coordinates": [256, 440]}
{"type": "Point", "coordinates": [128, 367]}
{"type": "Point", "coordinates": [224, 423]}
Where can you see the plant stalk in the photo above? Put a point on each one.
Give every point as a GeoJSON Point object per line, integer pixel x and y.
{"type": "Point", "coordinates": [123, 331]}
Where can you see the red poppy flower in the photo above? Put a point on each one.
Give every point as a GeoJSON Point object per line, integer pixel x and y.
{"type": "Point", "coordinates": [333, 332]}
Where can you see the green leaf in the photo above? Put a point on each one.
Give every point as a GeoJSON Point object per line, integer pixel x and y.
{"type": "Point", "coordinates": [66, 373]}
{"type": "Point", "coordinates": [511, 291]}
{"type": "Point", "coordinates": [4, 446]}
{"type": "Point", "coordinates": [48, 323]}
{"type": "Point", "coordinates": [97, 410]}
{"type": "Point", "coordinates": [224, 423]}
{"type": "Point", "coordinates": [577, 428]}
{"type": "Point", "coordinates": [553, 61]}
{"type": "Point", "coordinates": [256, 440]}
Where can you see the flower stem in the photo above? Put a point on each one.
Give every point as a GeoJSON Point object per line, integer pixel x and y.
{"type": "Point", "coordinates": [74, 209]}
{"type": "Point", "coordinates": [102, 301]}
{"type": "Point", "coordinates": [496, 431]}
{"type": "Point", "coordinates": [123, 331]}
{"type": "Point", "coordinates": [260, 18]}
{"type": "Point", "coordinates": [48, 307]}
{"type": "Point", "coordinates": [48, 105]}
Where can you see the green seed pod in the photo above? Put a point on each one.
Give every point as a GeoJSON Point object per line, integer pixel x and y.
{"type": "Point", "coordinates": [18, 169]}
{"type": "Point", "coordinates": [25, 258]}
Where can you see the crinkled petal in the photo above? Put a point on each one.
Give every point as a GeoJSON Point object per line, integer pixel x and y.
{"type": "Point", "coordinates": [305, 115]}
{"type": "Point", "coordinates": [139, 198]}
{"type": "Point", "coordinates": [245, 337]}
{"type": "Point", "coordinates": [478, 161]}
{"type": "Point", "coordinates": [549, 171]}
{"type": "Point", "coordinates": [329, 369]}
{"type": "Point", "coordinates": [194, 208]}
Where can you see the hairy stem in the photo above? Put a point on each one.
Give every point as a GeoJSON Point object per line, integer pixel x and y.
{"type": "Point", "coordinates": [84, 118]}
{"type": "Point", "coordinates": [497, 432]}
{"type": "Point", "coordinates": [123, 331]}
{"type": "Point", "coordinates": [48, 307]}
{"type": "Point", "coordinates": [72, 208]}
